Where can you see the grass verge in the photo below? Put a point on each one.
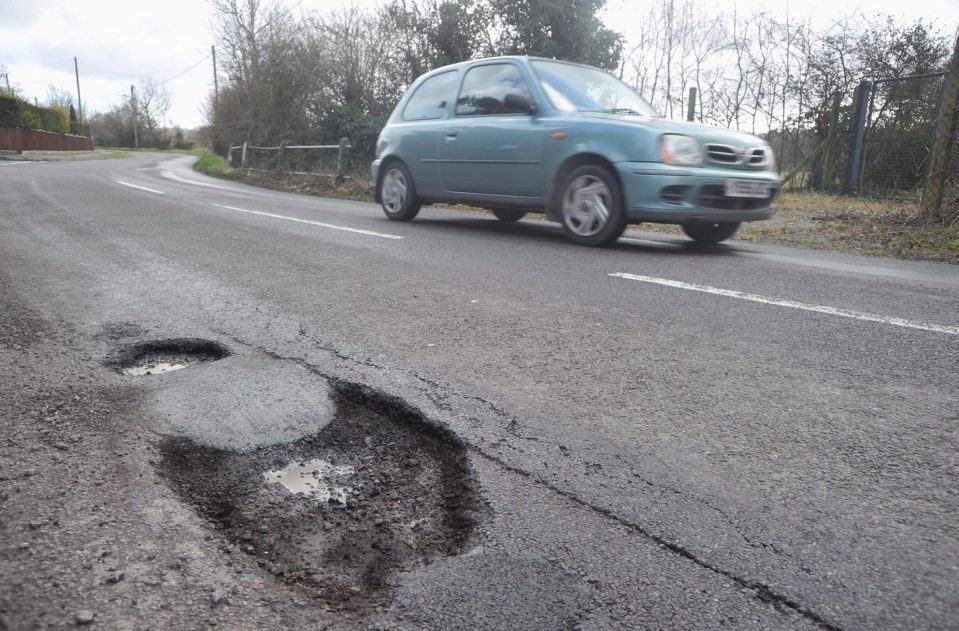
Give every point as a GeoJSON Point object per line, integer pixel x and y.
{"type": "Point", "coordinates": [850, 224]}
{"type": "Point", "coordinates": [213, 164]}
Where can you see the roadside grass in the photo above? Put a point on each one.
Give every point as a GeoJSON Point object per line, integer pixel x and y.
{"type": "Point", "coordinates": [811, 220]}
{"type": "Point", "coordinates": [355, 187]}
{"type": "Point", "coordinates": [97, 154]}
{"type": "Point", "coordinates": [106, 155]}
{"type": "Point", "coordinates": [191, 152]}
{"type": "Point", "coordinates": [213, 164]}
{"type": "Point", "coordinates": [858, 225]}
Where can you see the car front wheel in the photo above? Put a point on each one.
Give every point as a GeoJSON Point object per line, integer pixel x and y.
{"type": "Point", "coordinates": [592, 206]}
{"type": "Point", "coordinates": [397, 193]}
{"type": "Point", "coordinates": [710, 232]}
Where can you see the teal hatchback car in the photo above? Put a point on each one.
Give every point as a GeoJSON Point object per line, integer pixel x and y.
{"type": "Point", "coordinates": [522, 134]}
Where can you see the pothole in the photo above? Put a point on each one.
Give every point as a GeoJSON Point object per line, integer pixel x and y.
{"type": "Point", "coordinates": [337, 514]}
{"type": "Point", "coordinates": [162, 356]}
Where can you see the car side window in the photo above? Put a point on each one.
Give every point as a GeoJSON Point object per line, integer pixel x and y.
{"type": "Point", "coordinates": [485, 88]}
{"type": "Point", "coordinates": [429, 100]}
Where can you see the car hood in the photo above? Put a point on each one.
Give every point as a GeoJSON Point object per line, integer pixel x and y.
{"type": "Point", "coordinates": [702, 133]}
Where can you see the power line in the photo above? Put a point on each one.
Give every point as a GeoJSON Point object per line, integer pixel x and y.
{"type": "Point", "coordinates": [185, 71]}
{"type": "Point", "coordinates": [145, 74]}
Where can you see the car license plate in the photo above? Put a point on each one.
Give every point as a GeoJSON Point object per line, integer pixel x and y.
{"type": "Point", "coordinates": [747, 188]}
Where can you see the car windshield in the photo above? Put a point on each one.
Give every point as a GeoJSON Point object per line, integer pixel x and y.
{"type": "Point", "coordinates": [572, 88]}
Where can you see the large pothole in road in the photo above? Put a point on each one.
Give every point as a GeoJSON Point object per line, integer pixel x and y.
{"type": "Point", "coordinates": [338, 514]}
{"type": "Point", "coordinates": [161, 356]}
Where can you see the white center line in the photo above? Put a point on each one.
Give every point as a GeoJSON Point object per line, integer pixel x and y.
{"type": "Point", "coordinates": [142, 188]}
{"type": "Point", "coordinates": [845, 313]}
{"type": "Point", "coordinates": [310, 222]}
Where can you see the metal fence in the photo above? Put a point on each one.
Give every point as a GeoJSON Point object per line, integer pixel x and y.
{"type": "Point", "coordinates": [309, 160]}
{"type": "Point", "coordinates": [874, 143]}
{"type": "Point", "coordinates": [20, 139]}
{"type": "Point", "coordinates": [896, 120]}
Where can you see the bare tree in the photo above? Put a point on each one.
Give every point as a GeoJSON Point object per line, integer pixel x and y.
{"type": "Point", "coordinates": [153, 103]}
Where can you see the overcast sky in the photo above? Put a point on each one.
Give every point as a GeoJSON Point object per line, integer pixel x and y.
{"type": "Point", "coordinates": [119, 43]}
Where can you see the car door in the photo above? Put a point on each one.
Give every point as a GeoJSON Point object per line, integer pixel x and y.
{"type": "Point", "coordinates": [488, 148]}
{"type": "Point", "coordinates": [421, 127]}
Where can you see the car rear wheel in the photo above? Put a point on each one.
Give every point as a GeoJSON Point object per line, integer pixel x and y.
{"type": "Point", "coordinates": [591, 206]}
{"type": "Point", "coordinates": [710, 232]}
{"type": "Point", "coordinates": [508, 214]}
{"type": "Point", "coordinates": [397, 193]}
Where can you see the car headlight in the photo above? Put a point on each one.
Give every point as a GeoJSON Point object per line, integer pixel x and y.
{"type": "Point", "coordinates": [770, 161]}
{"type": "Point", "coordinates": [679, 150]}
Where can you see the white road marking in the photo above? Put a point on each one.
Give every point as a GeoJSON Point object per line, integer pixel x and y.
{"type": "Point", "coordinates": [142, 188]}
{"type": "Point", "coordinates": [170, 175]}
{"type": "Point", "coordinates": [312, 223]}
{"type": "Point", "coordinates": [19, 162]}
{"type": "Point", "coordinates": [844, 313]}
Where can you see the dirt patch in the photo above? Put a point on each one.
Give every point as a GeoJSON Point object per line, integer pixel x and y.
{"type": "Point", "coordinates": [405, 495]}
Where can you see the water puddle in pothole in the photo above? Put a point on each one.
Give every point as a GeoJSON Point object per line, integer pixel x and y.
{"type": "Point", "coordinates": [315, 478]}
{"type": "Point", "coordinates": [156, 368]}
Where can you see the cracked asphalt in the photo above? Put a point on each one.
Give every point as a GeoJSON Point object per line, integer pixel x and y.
{"type": "Point", "coordinates": [652, 455]}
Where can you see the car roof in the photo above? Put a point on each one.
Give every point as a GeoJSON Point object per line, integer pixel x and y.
{"type": "Point", "coordinates": [526, 58]}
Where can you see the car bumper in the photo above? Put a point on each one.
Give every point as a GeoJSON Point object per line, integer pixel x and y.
{"type": "Point", "coordinates": [661, 193]}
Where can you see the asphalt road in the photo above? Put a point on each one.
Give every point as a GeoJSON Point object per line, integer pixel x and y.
{"type": "Point", "coordinates": [665, 436]}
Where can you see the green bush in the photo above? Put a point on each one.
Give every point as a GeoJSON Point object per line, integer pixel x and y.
{"type": "Point", "coordinates": [16, 112]}
{"type": "Point", "coordinates": [55, 119]}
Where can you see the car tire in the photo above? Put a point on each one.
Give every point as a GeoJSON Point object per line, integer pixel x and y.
{"type": "Point", "coordinates": [591, 206]}
{"type": "Point", "coordinates": [508, 214]}
{"type": "Point", "coordinates": [710, 232]}
{"type": "Point", "coordinates": [397, 193]}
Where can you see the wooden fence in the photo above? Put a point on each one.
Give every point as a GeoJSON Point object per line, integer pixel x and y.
{"type": "Point", "coordinates": [282, 158]}
{"type": "Point", "coordinates": [19, 139]}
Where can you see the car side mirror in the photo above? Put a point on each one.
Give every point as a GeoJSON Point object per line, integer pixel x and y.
{"type": "Point", "coordinates": [519, 102]}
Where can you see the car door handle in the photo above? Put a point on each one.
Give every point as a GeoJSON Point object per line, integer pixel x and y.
{"type": "Point", "coordinates": [452, 133]}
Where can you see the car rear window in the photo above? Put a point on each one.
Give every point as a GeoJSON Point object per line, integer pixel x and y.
{"type": "Point", "coordinates": [429, 100]}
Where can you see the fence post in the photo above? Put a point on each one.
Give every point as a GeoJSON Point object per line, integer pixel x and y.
{"type": "Point", "coordinates": [945, 132]}
{"type": "Point", "coordinates": [243, 156]}
{"type": "Point", "coordinates": [229, 156]}
{"type": "Point", "coordinates": [829, 160]}
{"type": "Point", "coordinates": [280, 155]}
{"type": "Point", "coordinates": [863, 93]}
{"type": "Point", "coordinates": [691, 109]}
{"type": "Point", "coordinates": [341, 160]}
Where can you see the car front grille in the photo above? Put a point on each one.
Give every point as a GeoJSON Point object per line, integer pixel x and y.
{"type": "Point", "coordinates": [713, 196]}
{"type": "Point", "coordinates": [724, 154]}
{"type": "Point", "coordinates": [757, 157]}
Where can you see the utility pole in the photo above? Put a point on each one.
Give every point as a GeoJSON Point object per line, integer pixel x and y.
{"type": "Point", "coordinates": [133, 106]}
{"type": "Point", "coordinates": [216, 83]}
{"type": "Point", "coordinates": [76, 71]}
{"type": "Point", "coordinates": [6, 76]}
